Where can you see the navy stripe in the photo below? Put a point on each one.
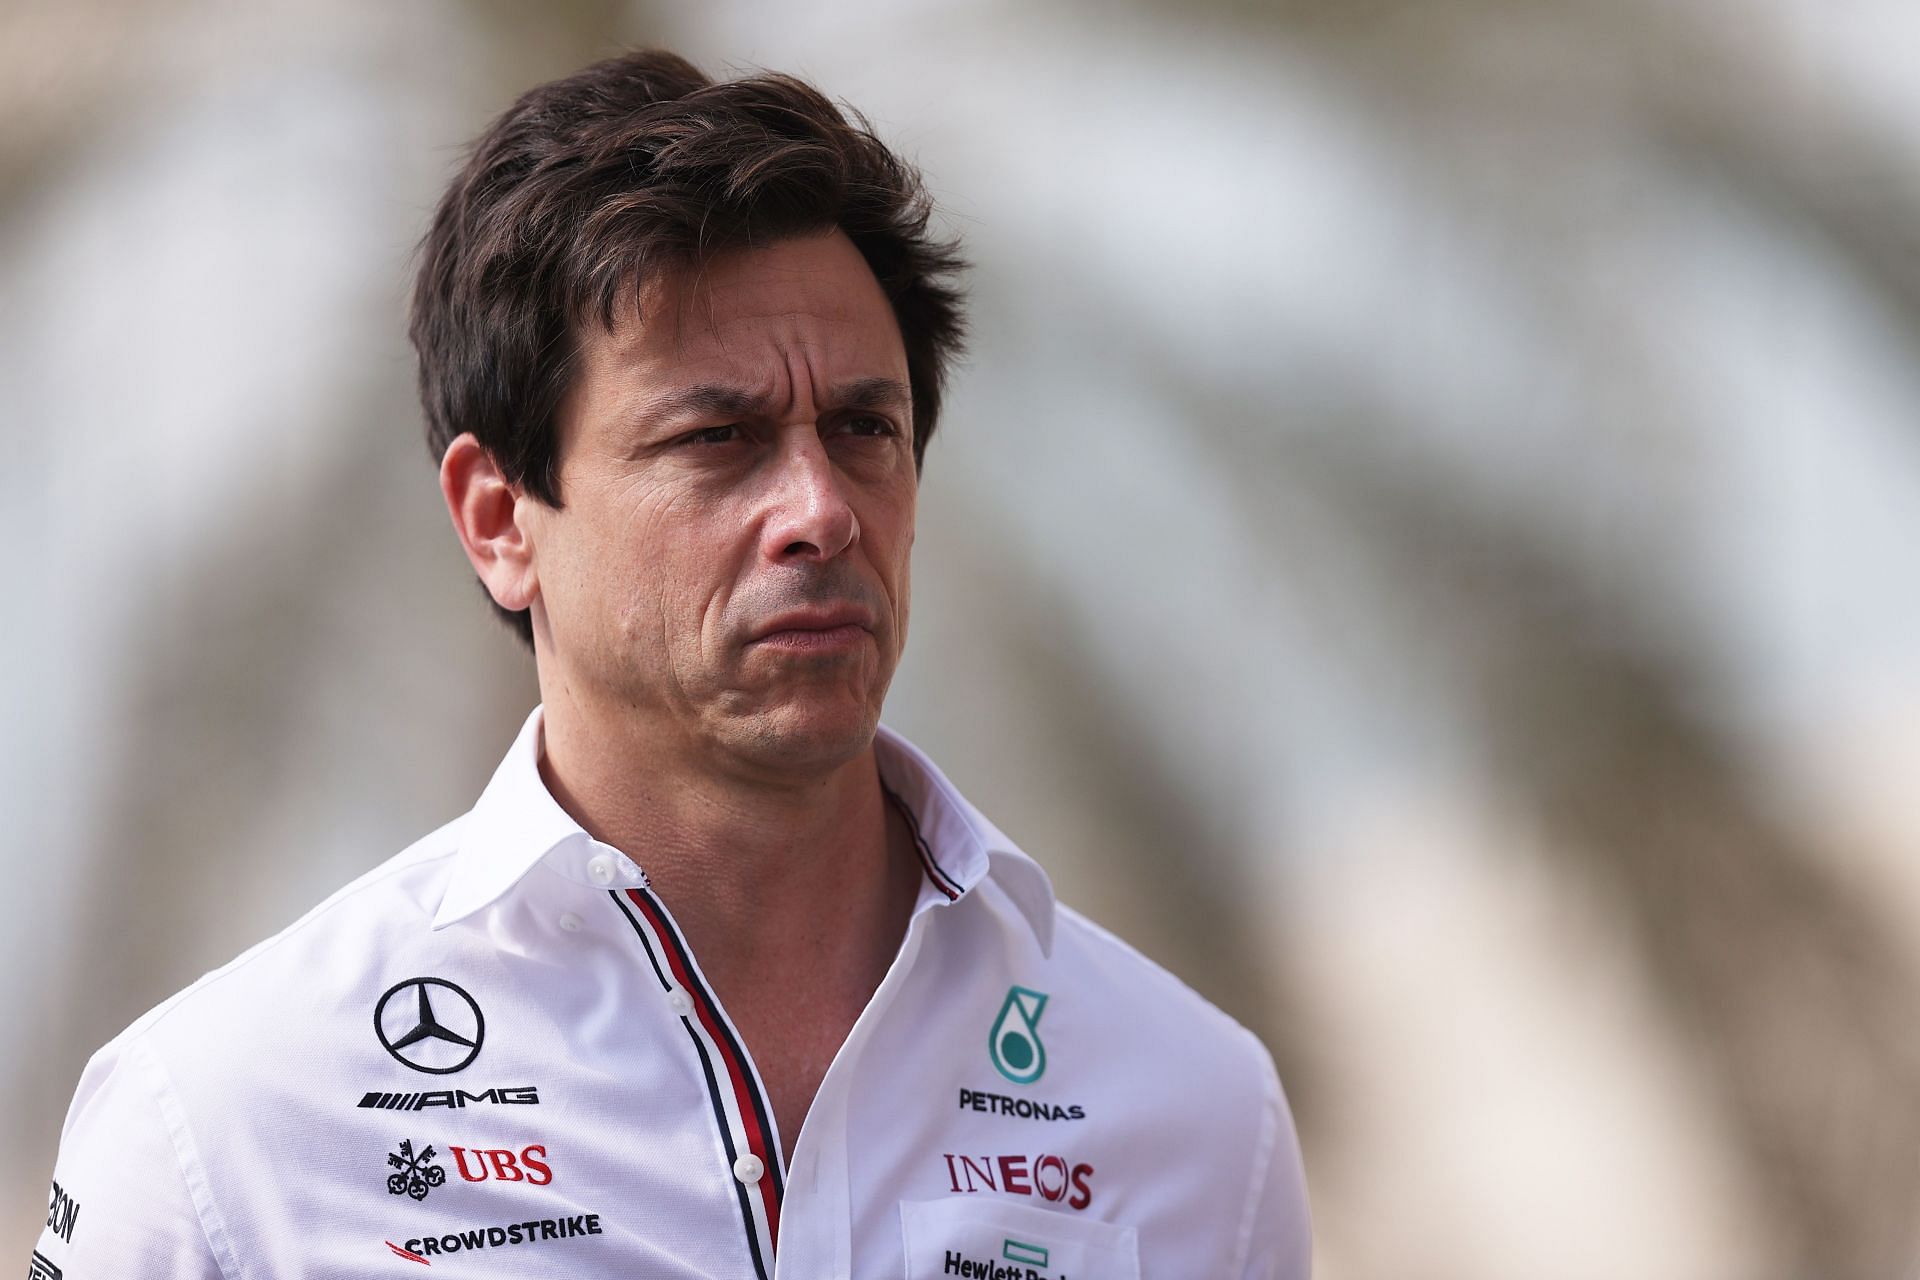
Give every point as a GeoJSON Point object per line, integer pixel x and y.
{"type": "Point", "coordinates": [941, 880]}
{"type": "Point", "coordinates": [726, 1139]}
{"type": "Point", "coordinates": [776, 1158]}
{"type": "Point", "coordinates": [714, 1095]}
{"type": "Point", "coordinates": [646, 943]}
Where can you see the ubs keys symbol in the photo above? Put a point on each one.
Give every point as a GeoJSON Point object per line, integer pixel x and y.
{"type": "Point", "coordinates": [1014, 1043]}
{"type": "Point", "coordinates": [416, 1174]}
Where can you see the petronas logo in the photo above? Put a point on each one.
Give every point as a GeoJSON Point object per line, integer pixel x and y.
{"type": "Point", "coordinates": [1014, 1042]}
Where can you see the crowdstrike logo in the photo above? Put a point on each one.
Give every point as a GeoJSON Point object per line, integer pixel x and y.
{"type": "Point", "coordinates": [1014, 1043]}
{"type": "Point", "coordinates": [422, 1249]}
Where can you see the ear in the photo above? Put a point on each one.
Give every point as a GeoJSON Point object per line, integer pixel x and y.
{"type": "Point", "coordinates": [486, 515]}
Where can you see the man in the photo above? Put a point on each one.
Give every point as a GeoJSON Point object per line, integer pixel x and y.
{"type": "Point", "coordinates": [718, 978]}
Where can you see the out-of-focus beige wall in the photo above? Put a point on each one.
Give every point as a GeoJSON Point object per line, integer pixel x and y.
{"type": "Point", "coordinates": [1422, 545]}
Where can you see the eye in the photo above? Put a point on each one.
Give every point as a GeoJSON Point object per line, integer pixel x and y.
{"type": "Point", "coordinates": [871, 425]}
{"type": "Point", "coordinates": [712, 435]}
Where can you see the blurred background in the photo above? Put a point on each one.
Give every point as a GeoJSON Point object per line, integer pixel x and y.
{"type": "Point", "coordinates": [1423, 545]}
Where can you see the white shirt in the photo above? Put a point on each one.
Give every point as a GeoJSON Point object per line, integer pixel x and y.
{"type": "Point", "coordinates": [494, 1056]}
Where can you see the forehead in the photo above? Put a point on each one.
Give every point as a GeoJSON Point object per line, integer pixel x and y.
{"type": "Point", "coordinates": [752, 313]}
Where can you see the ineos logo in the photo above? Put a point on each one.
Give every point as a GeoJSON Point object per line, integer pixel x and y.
{"type": "Point", "coordinates": [430, 1025]}
{"type": "Point", "coordinates": [1049, 1177]}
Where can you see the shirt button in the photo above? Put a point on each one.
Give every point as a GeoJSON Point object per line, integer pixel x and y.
{"type": "Point", "coordinates": [748, 1168]}
{"type": "Point", "coordinates": [678, 1002]}
{"type": "Point", "coordinates": [570, 922]}
{"type": "Point", "coordinates": [600, 867]}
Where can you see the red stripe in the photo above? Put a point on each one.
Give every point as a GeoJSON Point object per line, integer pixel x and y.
{"type": "Point", "coordinates": [407, 1253]}
{"type": "Point", "coordinates": [934, 873]}
{"type": "Point", "coordinates": [736, 1070]}
{"type": "Point", "coordinates": [941, 880]}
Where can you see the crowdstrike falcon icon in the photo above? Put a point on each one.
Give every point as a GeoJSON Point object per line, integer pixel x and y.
{"type": "Point", "coordinates": [430, 1025]}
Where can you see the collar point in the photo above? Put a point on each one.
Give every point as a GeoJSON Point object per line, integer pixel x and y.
{"type": "Point", "coordinates": [1027, 884]}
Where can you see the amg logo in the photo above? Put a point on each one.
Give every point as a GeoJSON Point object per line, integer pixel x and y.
{"type": "Point", "coordinates": [524, 1095]}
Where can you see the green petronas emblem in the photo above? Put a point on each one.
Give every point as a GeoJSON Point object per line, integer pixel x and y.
{"type": "Point", "coordinates": [1014, 1043]}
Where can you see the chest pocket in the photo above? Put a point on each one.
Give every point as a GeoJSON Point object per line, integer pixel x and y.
{"type": "Point", "coordinates": [982, 1239]}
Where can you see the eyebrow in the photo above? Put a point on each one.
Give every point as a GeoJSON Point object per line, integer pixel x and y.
{"type": "Point", "coordinates": [715, 399]}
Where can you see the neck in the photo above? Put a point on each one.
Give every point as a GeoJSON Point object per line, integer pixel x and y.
{"type": "Point", "coordinates": [755, 868]}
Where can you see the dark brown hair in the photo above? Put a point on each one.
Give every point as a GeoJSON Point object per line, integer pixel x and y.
{"type": "Point", "coordinates": [634, 166]}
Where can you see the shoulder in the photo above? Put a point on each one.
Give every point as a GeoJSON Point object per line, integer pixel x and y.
{"type": "Point", "coordinates": [1157, 1020]}
{"type": "Point", "coordinates": [222, 1074]}
{"type": "Point", "coordinates": [1185, 1101]}
{"type": "Point", "coordinates": [239, 1015]}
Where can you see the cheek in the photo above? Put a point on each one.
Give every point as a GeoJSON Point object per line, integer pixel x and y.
{"type": "Point", "coordinates": [676, 571]}
{"type": "Point", "coordinates": [900, 608]}
{"type": "Point", "coordinates": [900, 575]}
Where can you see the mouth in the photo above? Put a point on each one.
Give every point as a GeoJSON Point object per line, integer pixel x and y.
{"type": "Point", "coordinates": [817, 631]}
{"type": "Point", "coordinates": [815, 639]}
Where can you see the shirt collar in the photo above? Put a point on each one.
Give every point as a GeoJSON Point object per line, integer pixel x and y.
{"type": "Point", "coordinates": [964, 845]}
{"type": "Point", "coordinates": [517, 824]}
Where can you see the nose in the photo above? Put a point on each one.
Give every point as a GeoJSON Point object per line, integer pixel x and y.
{"type": "Point", "coordinates": [809, 516]}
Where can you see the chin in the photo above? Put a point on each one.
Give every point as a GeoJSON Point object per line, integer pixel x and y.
{"type": "Point", "coordinates": [808, 737]}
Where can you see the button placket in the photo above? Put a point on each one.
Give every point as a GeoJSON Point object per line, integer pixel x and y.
{"type": "Point", "coordinates": [824, 1239]}
{"type": "Point", "coordinates": [737, 1093]}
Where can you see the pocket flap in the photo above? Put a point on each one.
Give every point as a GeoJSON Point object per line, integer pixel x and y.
{"type": "Point", "coordinates": [982, 1239]}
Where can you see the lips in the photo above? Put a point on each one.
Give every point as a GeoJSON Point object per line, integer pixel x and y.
{"type": "Point", "coordinates": [817, 620]}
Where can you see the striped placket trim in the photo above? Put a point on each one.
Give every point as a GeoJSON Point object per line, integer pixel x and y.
{"type": "Point", "coordinates": [739, 1098]}
{"type": "Point", "coordinates": [945, 883]}
{"type": "Point", "coordinates": [733, 1086]}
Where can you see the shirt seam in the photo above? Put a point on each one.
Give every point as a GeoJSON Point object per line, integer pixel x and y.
{"type": "Point", "coordinates": [1262, 1160]}
{"type": "Point", "coordinates": [1157, 972]}
{"type": "Point", "coordinates": [368, 881]}
{"type": "Point", "coordinates": [206, 1214]}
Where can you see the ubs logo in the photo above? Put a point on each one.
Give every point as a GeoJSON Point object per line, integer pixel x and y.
{"type": "Point", "coordinates": [478, 1164]}
{"type": "Point", "coordinates": [429, 1024]}
{"type": "Point", "coordinates": [413, 1174]}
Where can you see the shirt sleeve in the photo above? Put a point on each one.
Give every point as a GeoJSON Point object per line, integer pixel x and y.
{"type": "Point", "coordinates": [122, 1204]}
{"type": "Point", "coordinates": [1279, 1234]}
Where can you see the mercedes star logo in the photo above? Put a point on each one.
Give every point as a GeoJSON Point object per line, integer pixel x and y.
{"type": "Point", "coordinates": [438, 1033]}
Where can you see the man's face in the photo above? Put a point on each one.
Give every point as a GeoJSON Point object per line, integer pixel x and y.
{"type": "Point", "coordinates": [730, 560]}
